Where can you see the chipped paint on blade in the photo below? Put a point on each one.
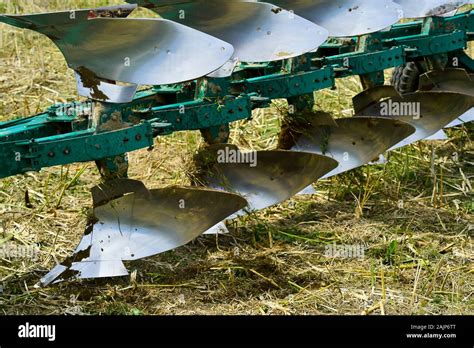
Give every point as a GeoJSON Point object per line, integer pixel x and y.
{"type": "Point", "coordinates": [259, 32]}
{"type": "Point", "coordinates": [139, 51]}
{"type": "Point", "coordinates": [275, 176]}
{"type": "Point", "coordinates": [345, 18]}
{"type": "Point", "coordinates": [137, 226]}
{"type": "Point", "coordinates": [428, 8]}
{"type": "Point", "coordinates": [220, 228]}
{"type": "Point", "coordinates": [106, 92]}
{"type": "Point", "coordinates": [380, 161]}
{"type": "Point", "coordinates": [99, 269]}
{"type": "Point", "coordinates": [428, 112]}
{"type": "Point", "coordinates": [41, 21]}
{"type": "Point", "coordinates": [355, 141]}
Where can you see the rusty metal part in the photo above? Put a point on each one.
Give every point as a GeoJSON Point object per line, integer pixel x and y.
{"type": "Point", "coordinates": [105, 91]}
{"type": "Point", "coordinates": [429, 8]}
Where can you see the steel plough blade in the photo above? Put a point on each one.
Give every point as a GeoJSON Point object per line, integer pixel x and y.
{"type": "Point", "coordinates": [450, 80]}
{"type": "Point", "coordinates": [220, 228]}
{"type": "Point", "coordinates": [259, 32]}
{"type": "Point", "coordinates": [428, 112]}
{"type": "Point", "coordinates": [354, 142]}
{"type": "Point", "coordinates": [441, 135]}
{"type": "Point", "coordinates": [267, 179]}
{"type": "Point", "coordinates": [142, 224]}
{"type": "Point", "coordinates": [428, 8]}
{"type": "Point", "coordinates": [345, 18]}
{"type": "Point", "coordinates": [137, 51]}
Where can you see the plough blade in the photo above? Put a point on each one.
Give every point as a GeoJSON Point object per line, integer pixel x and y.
{"type": "Point", "coordinates": [345, 18]}
{"type": "Point", "coordinates": [45, 22]}
{"type": "Point", "coordinates": [428, 8]}
{"type": "Point", "coordinates": [274, 177]}
{"type": "Point", "coordinates": [99, 90]}
{"type": "Point", "coordinates": [441, 135]}
{"type": "Point", "coordinates": [354, 142]}
{"type": "Point", "coordinates": [138, 51]}
{"type": "Point", "coordinates": [450, 80]}
{"type": "Point", "coordinates": [428, 112]}
{"type": "Point", "coordinates": [465, 118]}
{"type": "Point", "coordinates": [220, 228]}
{"type": "Point", "coordinates": [142, 224]}
{"type": "Point", "coordinates": [259, 32]}
{"type": "Point", "coordinates": [308, 191]}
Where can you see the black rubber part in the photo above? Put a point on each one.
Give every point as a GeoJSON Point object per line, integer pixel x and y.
{"type": "Point", "coordinates": [405, 78]}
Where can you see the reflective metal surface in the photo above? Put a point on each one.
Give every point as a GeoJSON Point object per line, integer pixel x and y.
{"type": "Point", "coordinates": [427, 8]}
{"type": "Point", "coordinates": [113, 189]}
{"type": "Point", "coordinates": [44, 22]}
{"type": "Point", "coordinates": [137, 226]}
{"type": "Point", "coordinates": [448, 80]}
{"type": "Point", "coordinates": [308, 191]}
{"type": "Point", "coordinates": [220, 228]}
{"type": "Point", "coordinates": [105, 91]}
{"type": "Point", "coordinates": [356, 141]}
{"type": "Point", "coordinates": [434, 110]}
{"type": "Point", "coordinates": [276, 177]}
{"type": "Point", "coordinates": [140, 51]}
{"type": "Point", "coordinates": [465, 118]}
{"type": "Point", "coordinates": [441, 135]}
{"type": "Point", "coordinates": [259, 32]}
{"type": "Point", "coordinates": [344, 18]}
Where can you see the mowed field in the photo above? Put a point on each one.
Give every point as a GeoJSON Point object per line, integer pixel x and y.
{"type": "Point", "coordinates": [413, 216]}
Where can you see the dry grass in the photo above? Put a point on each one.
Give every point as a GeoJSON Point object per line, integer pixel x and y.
{"type": "Point", "coordinates": [415, 219]}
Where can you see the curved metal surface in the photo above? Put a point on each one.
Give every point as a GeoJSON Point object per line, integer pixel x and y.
{"type": "Point", "coordinates": [113, 189]}
{"type": "Point", "coordinates": [140, 51]}
{"type": "Point", "coordinates": [220, 228]}
{"type": "Point", "coordinates": [259, 32]}
{"type": "Point", "coordinates": [428, 8]}
{"type": "Point", "coordinates": [40, 22]}
{"type": "Point", "coordinates": [276, 176]}
{"type": "Point", "coordinates": [428, 112]}
{"type": "Point", "coordinates": [344, 18]}
{"type": "Point", "coordinates": [105, 91]}
{"type": "Point", "coordinates": [448, 80]}
{"type": "Point", "coordinates": [441, 135]}
{"type": "Point", "coordinates": [356, 141]}
{"type": "Point", "coordinates": [136, 226]}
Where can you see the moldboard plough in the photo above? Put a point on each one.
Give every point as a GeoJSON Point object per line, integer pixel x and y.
{"type": "Point", "coordinates": [206, 64]}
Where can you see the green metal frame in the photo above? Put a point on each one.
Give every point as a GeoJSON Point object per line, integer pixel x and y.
{"type": "Point", "coordinates": [61, 135]}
